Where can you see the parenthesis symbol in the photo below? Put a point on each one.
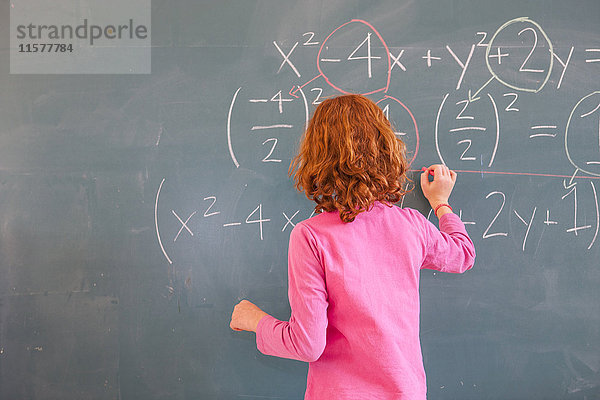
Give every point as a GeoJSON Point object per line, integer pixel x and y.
{"type": "Point", "coordinates": [597, 215]}
{"type": "Point", "coordinates": [305, 105]}
{"type": "Point", "coordinates": [437, 122]}
{"type": "Point", "coordinates": [497, 129]}
{"type": "Point", "coordinates": [156, 222]}
{"type": "Point", "coordinates": [235, 161]}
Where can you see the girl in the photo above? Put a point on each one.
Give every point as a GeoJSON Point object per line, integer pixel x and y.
{"type": "Point", "coordinates": [353, 268]}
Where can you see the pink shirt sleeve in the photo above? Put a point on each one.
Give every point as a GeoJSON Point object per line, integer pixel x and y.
{"type": "Point", "coordinates": [449, 249]}
{"type": "Point", "coordinates": [303, 336]}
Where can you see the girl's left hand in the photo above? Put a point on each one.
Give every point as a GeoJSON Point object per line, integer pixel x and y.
{"type": "Point", "coordinates": [245, 316]}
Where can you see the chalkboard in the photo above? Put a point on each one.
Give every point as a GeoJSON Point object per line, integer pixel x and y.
{"type": "Point", "coordinates": [136, 210]}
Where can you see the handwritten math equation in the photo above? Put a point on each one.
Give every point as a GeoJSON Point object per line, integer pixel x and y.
{"type": "Point", "coordinates": [519, 58]}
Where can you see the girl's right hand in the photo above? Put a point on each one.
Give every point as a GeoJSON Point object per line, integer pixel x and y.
{"type": "Point", "coordinates": [438, 191]}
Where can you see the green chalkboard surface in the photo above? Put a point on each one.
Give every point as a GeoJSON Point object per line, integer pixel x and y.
{"type": "Point", "coordinates": [136, 210]}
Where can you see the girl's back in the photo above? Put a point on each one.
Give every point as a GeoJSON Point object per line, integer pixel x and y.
{"type": "Point", "coordinates": [362, 299]}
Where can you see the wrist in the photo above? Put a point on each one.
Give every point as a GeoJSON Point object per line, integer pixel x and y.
{"type": "Point", "coordinates": [436, 202]}
{"type": "Point", "coordinates": [441, 209]}
{"type": "Point", "coordinates": [257, 319]}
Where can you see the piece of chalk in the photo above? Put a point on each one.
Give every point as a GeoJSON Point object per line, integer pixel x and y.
{"type": "Point", "coordinates": [425, 169]}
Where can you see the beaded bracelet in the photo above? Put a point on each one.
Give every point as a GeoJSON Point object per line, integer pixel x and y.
{"type": "Point", "coordinates": [441, 205]}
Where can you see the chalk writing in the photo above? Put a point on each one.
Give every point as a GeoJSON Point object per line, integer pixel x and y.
{"type": "Point", "coordinates": [263, 126]}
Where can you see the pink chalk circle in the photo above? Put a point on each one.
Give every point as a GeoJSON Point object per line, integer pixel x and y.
{"type": "Point", "coordinates": [340, 86]}
{"type": "Point", "coordinates": [414, 121]}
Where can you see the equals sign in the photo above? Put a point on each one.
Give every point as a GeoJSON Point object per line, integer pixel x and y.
{"type": "Point", "coordinates": [545, 127]}
{"type": "Point", "coordinates": [592, 60]}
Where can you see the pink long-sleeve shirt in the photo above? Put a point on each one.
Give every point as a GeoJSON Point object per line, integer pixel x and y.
{"type": "Point", "coordinates": [354, 296]}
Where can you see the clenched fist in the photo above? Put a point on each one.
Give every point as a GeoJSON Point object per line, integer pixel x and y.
{"type": "Point", "coordinates": [245, 316]}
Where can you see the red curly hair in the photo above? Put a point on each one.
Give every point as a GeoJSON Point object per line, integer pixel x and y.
{"type": "Point", "coordinates": [349, 158]}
